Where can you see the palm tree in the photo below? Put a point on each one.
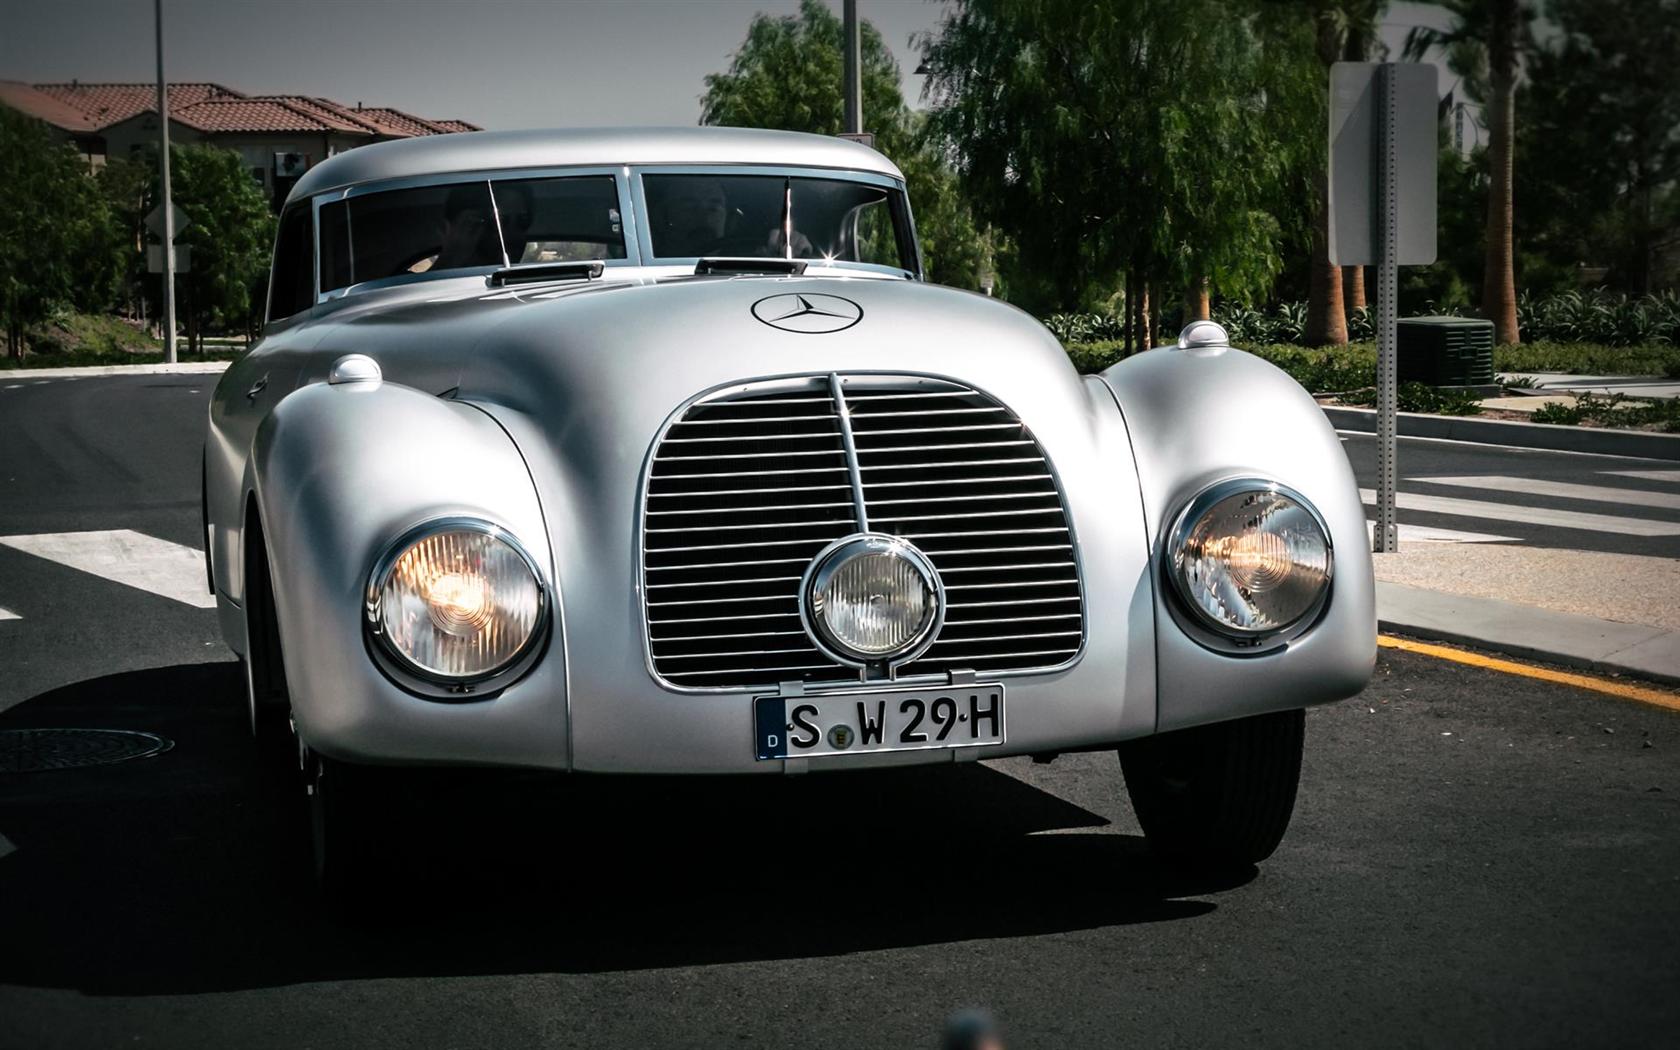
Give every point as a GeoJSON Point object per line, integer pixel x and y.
{"type": "Point", "coordinates": [1491, 32]}
{"type": "Point", "coordinates": [1336, 23]}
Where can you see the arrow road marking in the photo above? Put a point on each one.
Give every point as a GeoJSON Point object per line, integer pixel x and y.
{"type": "Point", "coordinates": [7, 614]}
{"type": "Point", "coordinates": [126, 557]}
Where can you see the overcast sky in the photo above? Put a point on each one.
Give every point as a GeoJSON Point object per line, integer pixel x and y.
{"type": "Point", "coordinates": [495, 63]}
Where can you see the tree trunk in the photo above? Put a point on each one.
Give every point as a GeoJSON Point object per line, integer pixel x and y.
{"type": "Point", "coordinates": [1326, 322]}
{"type": "Point", "coordinates": [1196, 306]}
{"type": "Point", "coordinates": [1499, 279]}
{"type": "Point", "coordinates": [1144, 341]}
{"type": "Point", "coordinates": [1353, 288]}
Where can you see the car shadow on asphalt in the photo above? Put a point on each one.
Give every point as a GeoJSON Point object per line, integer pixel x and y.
{"type": "Point", "coordinates": [187, 872]}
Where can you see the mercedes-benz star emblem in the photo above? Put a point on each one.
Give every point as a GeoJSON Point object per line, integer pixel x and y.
{"type": "Point", "coordinates": [811, 313]}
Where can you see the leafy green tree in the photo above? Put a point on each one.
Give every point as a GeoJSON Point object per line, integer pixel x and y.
{"type": "Point", "coordinates": [57, 248]}
{"type": "Point", "coordinates": [231, 236]}
{"type": "Point", "coordinates": [1137, 140]}
{"type": "Point", "coordinates": [1602, 96]}
{"type": "Point", "coordinates": [788, 75]}
{"type": "Point", "coordinates": [1498, 30]}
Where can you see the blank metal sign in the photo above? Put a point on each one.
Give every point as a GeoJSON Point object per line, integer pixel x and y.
{"type": "Point", "coordinates": [1354, 162]}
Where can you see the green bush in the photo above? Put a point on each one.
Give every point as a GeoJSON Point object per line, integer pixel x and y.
{"type": "Point", "coordinates": [1597, 317]}
{"type": "Point", "coordinates": [1546, 355]}
{"type": "Point", "coordinates": [1086, 328]}
{"type": "Point", "coordinates": [1611, 411]}
{"type": "Point", "coordinates": [1421, 397]}
{"type": "Point", "coordinates": [1601, 317]}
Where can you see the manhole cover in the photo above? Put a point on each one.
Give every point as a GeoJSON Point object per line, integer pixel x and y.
{"type": "Point", "coordinates": [35, 750]}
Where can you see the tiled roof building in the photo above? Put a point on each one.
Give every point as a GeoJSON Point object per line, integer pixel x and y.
{"type": "Point", "coordinates": [280, 136]}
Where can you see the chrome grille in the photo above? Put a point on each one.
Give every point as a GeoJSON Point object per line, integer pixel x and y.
{"type": "Point", "coordinates": [748, 486]}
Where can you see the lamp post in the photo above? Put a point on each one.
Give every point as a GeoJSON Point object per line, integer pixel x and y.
{"type": "Point", "coordinates": [168, 204]}
{"type": "Point", "coordinates": [854, 70]}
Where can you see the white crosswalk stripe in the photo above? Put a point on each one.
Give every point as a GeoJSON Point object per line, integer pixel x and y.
{"type": "Point", "coordinates": [1562, 490]}
{"type": "Point", "coordinates": [1426, 534]}
{"type": "Point", "coordinates": [1562, 519]}
{"type": "Point", "coordinates": [134, 559]}
{"type": "Point", "coordinates": [1648, 475]}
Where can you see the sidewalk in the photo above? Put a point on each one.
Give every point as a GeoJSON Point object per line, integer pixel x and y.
{"type": "Point", "coordinates": [1612, 613]}
{"type": "Point", "coordinates": [1647, 387]}
{"type": "Point", "coordinates": [19, 376]}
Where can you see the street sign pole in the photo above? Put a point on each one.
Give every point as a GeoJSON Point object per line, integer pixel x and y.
{"type": "Point", "coordinates": [168, 205]}
{"type": "Point", "coordinates": [1382, 213]}
{"type": "Point", "coordinates": [1386, 536]}
{"type": "Point", "coordinates": [854, 70]}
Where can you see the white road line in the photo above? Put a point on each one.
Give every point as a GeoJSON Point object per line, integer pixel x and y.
{"type": "Point", "coordinates": [126, 557]}
{"type": "Point", "coordinates": [1648, 475]}
{"type": "Point", "coordinates": [7, 614]}
{"type": "Point", "coordinates": [1561, 519]}
{"type": "Point", "coordinates": [1563, 490]}
{"type": "Point", "coordinates": [1427, 534]}
{"type": "Point", "coordinates": [6, 846]}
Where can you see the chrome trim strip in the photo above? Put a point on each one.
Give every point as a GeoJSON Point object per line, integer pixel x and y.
{"type": "Point", "coordinates": [860, 510]}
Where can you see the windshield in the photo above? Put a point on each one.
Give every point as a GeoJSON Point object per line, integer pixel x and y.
{"type": "Point", "coordinates": [775, 216]}
{"type": "Point", "coordinates": [461, 225]}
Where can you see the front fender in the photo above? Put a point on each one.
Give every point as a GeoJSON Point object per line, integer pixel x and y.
{"type": "Point", "coordinates": [1199, 416]}
{"type": "Point", "coordinates": [339, 471]}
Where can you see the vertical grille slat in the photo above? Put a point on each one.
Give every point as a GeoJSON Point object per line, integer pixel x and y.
{"type": "Point", "coordinates": [945, 466]}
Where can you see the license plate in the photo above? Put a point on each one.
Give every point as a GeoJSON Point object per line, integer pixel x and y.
{"type": "Point", "coordinates": [862, 723]}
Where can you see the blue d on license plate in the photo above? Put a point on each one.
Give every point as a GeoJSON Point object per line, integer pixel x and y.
{"type": "Point", "coordinates": [859, 723]}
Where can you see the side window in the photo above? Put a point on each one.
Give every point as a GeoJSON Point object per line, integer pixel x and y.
{"type": "Point", "coordinates": [334, 222]}
{"type": "Point", "coordinates": [291, 283]}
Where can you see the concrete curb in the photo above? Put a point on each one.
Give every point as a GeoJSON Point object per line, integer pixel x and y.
{"type": "Point", "coordinates": [1651, 653]}
{"type": "Point", "coordinates": [13, 375]}
{"type": "Point", "coordinates": [1548, 436]}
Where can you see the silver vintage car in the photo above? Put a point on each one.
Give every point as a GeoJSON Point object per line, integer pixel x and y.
{"type": "Point", "coordinates": [651, 451]}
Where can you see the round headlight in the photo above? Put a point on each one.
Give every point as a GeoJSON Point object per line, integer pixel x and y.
{"type": "Point", "coordinates": [1251, 559]}
{"type": "Point", "coordinates": [872, 598]}
{"type": "Point", "coordinates": [456, 602]}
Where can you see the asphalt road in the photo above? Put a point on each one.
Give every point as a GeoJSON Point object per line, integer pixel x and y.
{"type": "Point", "coordinates": [1564, 500]}
{"type": "Point", "coordinates": [1476, 859]}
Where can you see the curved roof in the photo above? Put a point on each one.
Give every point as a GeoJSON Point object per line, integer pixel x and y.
{"type": "Point", "coordinates": [495, 150]}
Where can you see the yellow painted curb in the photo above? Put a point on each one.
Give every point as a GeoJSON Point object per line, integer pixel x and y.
{"type": "Point", "coordinates": [1637, 693]}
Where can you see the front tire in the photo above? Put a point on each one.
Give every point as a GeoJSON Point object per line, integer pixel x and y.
{"type": "Point", "coordinates": [1219, 794]}
{"type": "Point", "coordinates": [345, 830]}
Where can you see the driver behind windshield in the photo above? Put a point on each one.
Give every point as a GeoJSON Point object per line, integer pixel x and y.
{"type": "Point", "coordinates": [697, 223]}
{"type": "Point", "coordinates": [469, 227]}
{"type": "Point", "coordinates": [469, 235]}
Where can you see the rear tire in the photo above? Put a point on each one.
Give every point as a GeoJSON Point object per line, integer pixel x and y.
{"type": "Point", "coordinates": [1220, 794]}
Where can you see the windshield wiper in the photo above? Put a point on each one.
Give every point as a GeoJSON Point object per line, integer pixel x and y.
{"type": "Point", "coordinates": [552, 271]}
{"type": "Point", "coordinates": [734, 264]}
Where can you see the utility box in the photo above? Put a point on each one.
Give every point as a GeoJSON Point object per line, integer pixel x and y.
{"type": "Point", "coordinates": [1445, 351]}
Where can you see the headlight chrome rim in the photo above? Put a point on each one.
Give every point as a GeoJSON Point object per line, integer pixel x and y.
{"type": "Point", "coordinates": [1220, 634]}
{"type": "Point", "coordinates": [830, 559]}
{"type": "Point", "coordinates": [424, 680]}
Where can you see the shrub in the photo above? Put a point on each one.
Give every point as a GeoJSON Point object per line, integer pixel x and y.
{"type": "Point", "coordinates": [1545, 355]}
{"type": "Point", "coordinates": [1601, 317]}
{"type": "Point", "coordinates": [1612, 411]}
{"type": "Point", "coordinates": [1421, 397]}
